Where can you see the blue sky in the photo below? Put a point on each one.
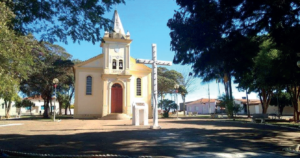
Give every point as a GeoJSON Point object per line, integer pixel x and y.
{"type": "Point", "coordinates": [147, 23]}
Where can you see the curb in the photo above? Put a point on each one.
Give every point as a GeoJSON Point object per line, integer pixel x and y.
{"type": "Point", "coordinates": [6, 153]}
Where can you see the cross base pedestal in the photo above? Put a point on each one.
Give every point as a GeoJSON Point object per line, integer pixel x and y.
{"type": "Point", "coordinates": [155, 127]}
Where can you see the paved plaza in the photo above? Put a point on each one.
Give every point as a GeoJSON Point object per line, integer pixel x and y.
{"type": "Point", "coordinates": [177, 138]}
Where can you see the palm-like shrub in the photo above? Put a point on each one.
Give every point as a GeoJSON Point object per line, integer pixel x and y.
{"type": "Point", "coordinates": [167, 105]}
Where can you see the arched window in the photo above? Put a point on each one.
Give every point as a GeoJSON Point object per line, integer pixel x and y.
{"type": "Point", "coordinates": [138, 87]}
{"type": "Point", "coordinates": [114, 64]}
{"type": "Point", "coordinates": [89, 85]}
{"type": "Point", "coordinates": [120, 64]}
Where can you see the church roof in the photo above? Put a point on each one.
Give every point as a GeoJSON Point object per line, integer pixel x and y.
{"type": "Point", "coordinates": [117, 24]}
{"type": "Point", "coordinates": [89, 60]}
{"type": "Point", "coordinates": [203, 101]}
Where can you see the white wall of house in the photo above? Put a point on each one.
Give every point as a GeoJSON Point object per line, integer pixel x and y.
{"type": "Point", "coordinates": [202, 108]}
{"type": "Point", "coordinates": [39, 107]}
{"type": "Point", "coordinates": [257, 109]}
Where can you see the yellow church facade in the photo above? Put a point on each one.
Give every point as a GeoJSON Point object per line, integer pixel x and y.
{"type": "Point", "coordinates": [112, 81]}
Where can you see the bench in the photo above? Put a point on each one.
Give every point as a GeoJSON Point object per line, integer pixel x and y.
{"type": "Point", "coordinates": [261, 117]}
{"type": "Point", "coordinates": [192, 113]}
{"type": "Point", "coordinates": [214, 116]}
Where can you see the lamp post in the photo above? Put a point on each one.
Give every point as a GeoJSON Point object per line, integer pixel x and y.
{"type": "Point", "coordinates": [176, 86]}
{"type": "Point", "coordinates": [184, 107]}
{"type": "Point", "coordinates": [55, 82]}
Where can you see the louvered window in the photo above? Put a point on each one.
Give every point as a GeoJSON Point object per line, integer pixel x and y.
{"type": "Point", "coordinates": [138, 87]}
{"type": "Point", "coordinates": [114, 64]}
{"type": "Point", "coordinates": [120, 64]}
{"type": "Point", "coordinates": [89, 85]}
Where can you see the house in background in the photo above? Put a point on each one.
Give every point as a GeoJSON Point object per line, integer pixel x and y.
{"type": "Point", "coordinates": [13, 109]}
{"type": "Point", "coordinates": [202, 106]}
{"type": "Point", "coordinates": [39, 106]}
{"type": "Point", "coordinates": [256, 108]}
{"type": "Point", "coordinates": [181, 108]}
{"type": "Point", "coordinates": [243, 104]}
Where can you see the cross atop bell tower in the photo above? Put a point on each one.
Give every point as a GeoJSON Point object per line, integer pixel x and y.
{"type": "Point", "coordinates": [116, 48]}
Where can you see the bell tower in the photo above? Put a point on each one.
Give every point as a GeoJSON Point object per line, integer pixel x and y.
{"type": "Point", "coordinates": [116, 48]}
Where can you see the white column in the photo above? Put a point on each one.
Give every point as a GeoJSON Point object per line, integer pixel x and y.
{"type": "Point", "coordinates": [155, 113]}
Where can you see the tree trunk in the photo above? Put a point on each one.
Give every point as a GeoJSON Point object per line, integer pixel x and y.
{"type": "Point", "coordinates": [225, 82]}
{"type": "Point", "coordinates": [248, 111]}
{"type": "Point", "coordinates": [281, 107]}
{"type": "Point", "coordinates": [7, 109]}
{"type": "Point", "coordinates": [294, 91]}
{"type": "Point", "coordinates": [66, 110]}
{"type": "Point", "coordinates": [46, 109]}
{"type": "Point", "coordinates": [265, 98]}
{"type": "Point", "coordinates": [230, 86]}
{"type": "Point", "coordinates": [60, 105]}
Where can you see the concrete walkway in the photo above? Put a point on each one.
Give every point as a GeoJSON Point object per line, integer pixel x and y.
{"type": "Point", "coordinates": [177, 138]}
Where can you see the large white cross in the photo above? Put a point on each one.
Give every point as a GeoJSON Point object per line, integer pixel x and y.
{"type": "Point", "coordinates": [154, 63]}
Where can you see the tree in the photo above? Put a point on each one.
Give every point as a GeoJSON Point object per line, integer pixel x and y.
{"type": "Point", "coordinates": [281, 99]}
{"type": "Point", "coordinates": [63, 101]}
{"type": "Point", "coordinates": [183, 92]}
{"type": "Point", "coordinates": [52, 62]}
{"type": "Point", "coordinates": [229, 104]}
{"type": "Point", "coordinates": [224, 39]}
{"type": "Point", "coordinates": [166, 81]}
{"type": "Point", "coordinates": [9, 96]}
{"type": "Point", "coordinates": [187, 85]}
{"type": "Point", "coordinates": [62, 19]}
{"type": "Point", "coordinates": [167, 105]}
{"type": "Point", "coordinates": [25, 103]}
{"type": "Point", "coordinates": [15, 57]}
{"type": "Point", "coordinates": [66, 88]}
{"type": "Point", "coordinates": [213, 47]}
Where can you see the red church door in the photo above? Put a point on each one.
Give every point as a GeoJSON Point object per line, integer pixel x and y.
{"type": "Point", "coordinates": [116, 98]}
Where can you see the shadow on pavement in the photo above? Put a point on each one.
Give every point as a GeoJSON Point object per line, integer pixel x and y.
{"type": "Point", "coordinates": [165, 142]}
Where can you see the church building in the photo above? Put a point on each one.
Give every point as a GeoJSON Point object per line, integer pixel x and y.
{"type": "Point", "coordinates": [109, 83]}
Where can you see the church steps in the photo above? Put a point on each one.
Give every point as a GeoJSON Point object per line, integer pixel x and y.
{"type": "Point", "coordinates": [116, 116]}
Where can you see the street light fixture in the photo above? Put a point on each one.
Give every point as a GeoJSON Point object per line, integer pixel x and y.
{"type": "Point", "coordinates": [176, 86]}
{"type": "Point", "coordinates": [55, 82]}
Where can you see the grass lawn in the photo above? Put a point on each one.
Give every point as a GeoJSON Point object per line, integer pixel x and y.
{"type": "Point", "coordinates": [40, 117]}
{"type": "Point", "coordinates": [278, 122]}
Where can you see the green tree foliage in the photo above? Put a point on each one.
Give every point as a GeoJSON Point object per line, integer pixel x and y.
{"type": "Point", "coordinates": [166, 80]}
{"type": "Point", "coordinates": [281, 100]}
{"type": "Point", "coordinates": [66, 87]}
{"type": "Point", "coordinates": [167, 105]}
{"type": "Point", "coordinates": [183, 92]}
{"type": "Point", "coordinates": [9, 96]}
{"type": "Point", "coordinates": [63, 100]}
{"type": "Point", "coordinates": [203, 35]}
{"type": "Point", "coordinates": [25, 103]}
{"type": "Point", "coordinates": [229, 104]}
{"type": "Point", "coordinates": [51, 62]}
{"type": "Point", "coordinates": [62, 19]}
{"type": "Point", "coordinates": [220, 38]}
{"type": "Point", "coordinates": [15, 57]}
